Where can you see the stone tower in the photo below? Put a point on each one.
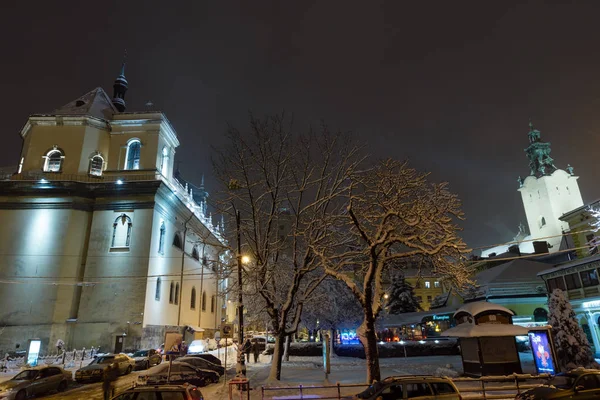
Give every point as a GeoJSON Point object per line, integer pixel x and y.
{"type": "Point", "coordinates": [547, 193]}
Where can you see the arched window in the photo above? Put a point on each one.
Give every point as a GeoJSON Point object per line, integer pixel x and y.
{"type": "Point", "coordinates": [193, 299]}
{"type": "Point", "coordinates": [177, 293]}
{"type": "Point", "coordinates": [164, 161]}
{"type": "Point", "coordinates": [121, 231]}
{"type": "Point", "coordinates": [177, 241]}
{"type": "Point", "coordinates": [132, 158]}
{"type": "Point", "coordinates": [161, 238]}
{"type": "Point", "coordinates": [172, 293]}
{"type": "Point", "coordinates": [96, 165]}
{"type": "Point", "coordinates": [203, 301]}
{"type": "Point", "coordinates": [195, 254]}
{"type": "Point", "coordinates": [157, 291]}
{"type": "Point", "coordinates": [53, 160]}
{"type": "Point", "coordinates": [540, 315]}
{"type": "Point", "coordinates": [213, 303]}
{"type": "Point", "coordinates": [542, 222]}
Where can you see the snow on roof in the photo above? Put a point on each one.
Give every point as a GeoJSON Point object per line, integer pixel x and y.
{"type": "Point", "coordinates": [519, 270]}
{"type": "Point", "coordinates": [479, 307]}
{"type": "Point", "coordinates": [95, 103]}
{"type": "Point", "coordinates": [485, 330]}
{"type": "Point", "coordinates": [570, 264]}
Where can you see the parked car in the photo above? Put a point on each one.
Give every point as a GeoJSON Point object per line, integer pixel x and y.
{"type": "Point", "coordinates": [207, 356]}
{"type": "Point", "coordinates": [145, 359]}
{"type": "Point", "coordinates": [202, 345]}
{"type": "Point", "coordinates": [35, 381]}
{"type": "Point", "coordinates": [202, 364]}
{"type": "Point", "coordinates": [578, 384]}
{"type": "Point", "coordinates": [179, 392]}
{"type": "Point", "coordinates": [95, 370]}
{"type": "Point", "coordinates": [408, 387]}
{"type": "Point", "coordinates": [180, 373]}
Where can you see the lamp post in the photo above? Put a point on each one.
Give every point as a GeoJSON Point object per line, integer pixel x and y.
{"type": "Point", "coordinates": [241, 365]}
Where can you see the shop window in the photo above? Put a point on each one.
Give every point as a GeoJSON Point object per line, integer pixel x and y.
{"type": "Point", "coordinates": [572, 281]}
{"type": "Point", "coordinates": [589, 278]}
{"type": "Point", "coordinates": [556, 283]}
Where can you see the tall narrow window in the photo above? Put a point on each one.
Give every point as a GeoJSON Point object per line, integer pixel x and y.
{"type": "Point", "coordinates": [193, 299]}
{"type": "Point", "coordinates": [172, 293]}
{"type": "Point", "coordinates": [164, 161]}
{"type": "Point", "coordinates": [427, 285]}
{"type": "Point", "coordinates": [203, 301]}
{"type": "Point", "coordinates": [96, 165]}
{"type": "Point", "coordinates": [53, 161]}
{"type": "Point", "coordinates": [161, 238]}
{"type": "Point", "coordinates": [213, 303]}
{"type": "Point", "coordinates": [177, 241]}
{"type": "Point", "coordinates": [121, 231]}
{"type": "Point", "coordinates": [157, 291]}
{"type": "Point", "coordinates": [195, 254]}
{"type": "Point", "coordinates": [177, 293]}
{"type": "Point", "coordinates": [132, 159]}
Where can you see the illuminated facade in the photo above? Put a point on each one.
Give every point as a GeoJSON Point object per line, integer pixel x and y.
{"type": "Point", "coordinates": [426, 288]}
{"type": "Point", "coordinates": [547, 193]}
{"type": "Point", "coordinates": [102, 246]}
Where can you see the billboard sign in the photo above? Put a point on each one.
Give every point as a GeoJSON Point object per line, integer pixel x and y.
{"type": "Point", "coordinates": [543, 354]}
{"type": "Point", "coordinates": [33, 351]}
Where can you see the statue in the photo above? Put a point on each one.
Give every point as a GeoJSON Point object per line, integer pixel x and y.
{"type": "Point", "coordinates": [570, 169]}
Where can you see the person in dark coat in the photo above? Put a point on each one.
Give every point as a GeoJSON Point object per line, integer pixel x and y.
{"type": "Point", "coordinates": [247, 348]}
{"type": "Point", "coordinates": [255, 350]}
{"type": "Point", "coordinates": [108, 378]}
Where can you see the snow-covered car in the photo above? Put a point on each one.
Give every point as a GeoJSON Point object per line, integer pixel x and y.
{"type": "Point", "coordinates": [145, 359]}
{"type": "Point", "coordinates": [95, 370]}
{"type": "Point", "coordinates": [177, 373]}
{"type": "Point", "coordinates": [408, 387]}
{"type": "Point", "coordinates": [202, 345]}
{"type": "Point", "coordinates": [180, 392]}
{"type": "Point", "coordinates": [202, 364]}
{"type": "Point", "coordinates": [34, 381]}
{"type": "Point", "coordinates": [578, 384]}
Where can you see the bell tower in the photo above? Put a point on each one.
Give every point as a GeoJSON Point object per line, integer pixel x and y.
{"type": "Point", "coordinates": [547, 193]}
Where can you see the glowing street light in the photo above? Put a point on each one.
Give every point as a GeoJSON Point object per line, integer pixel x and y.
{"type": "Point", "coordinates": [245, 259]}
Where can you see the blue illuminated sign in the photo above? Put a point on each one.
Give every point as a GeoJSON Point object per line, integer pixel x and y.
{"type": "Point", "coordinates": [542, 352]}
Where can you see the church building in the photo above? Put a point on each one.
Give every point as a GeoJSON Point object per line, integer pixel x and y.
{"type": "Point", "coordinates": [547, 194]}
{"type": "Point", "coordinates": [102, 245]}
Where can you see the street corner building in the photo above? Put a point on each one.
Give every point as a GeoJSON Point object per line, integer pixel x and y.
{"type": "Point", "coordinates": [103, 243]}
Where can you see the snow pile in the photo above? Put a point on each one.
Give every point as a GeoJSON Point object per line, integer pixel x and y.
{"type": "Point", "coordinates": [572, 347]}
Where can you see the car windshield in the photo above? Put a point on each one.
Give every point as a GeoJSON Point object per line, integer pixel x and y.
{"type": "Point", "coordinates": [562, 381]}
{"type": "Point", "coordinates": [104, 360]}
{"type": "Point", "coordinates": [27, 375]}
{"type": "Point", "coordinates": [140, 353]}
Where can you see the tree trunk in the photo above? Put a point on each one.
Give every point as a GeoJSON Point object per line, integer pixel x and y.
{"type": "Point", "coordinates": [368, 338]}
{"type": "Point", "coordinates": [275, 373]}
{"type": "Point", "coordinates": [286, 350]}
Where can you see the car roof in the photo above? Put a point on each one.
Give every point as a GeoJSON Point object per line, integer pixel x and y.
{"type": "Point", "coordinates": [580, 371]}
{"type": "Point", "coordinates": [414, 378]}
{"type": "Point", "coordinates": [38, 367]}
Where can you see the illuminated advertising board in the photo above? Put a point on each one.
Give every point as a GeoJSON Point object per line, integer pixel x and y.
{"type": "Point", "coordinates": [33, 351]}
{"type": "Point", "coordinates": [543, 355]}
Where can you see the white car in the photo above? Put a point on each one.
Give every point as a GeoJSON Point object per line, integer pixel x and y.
{"type": "Point", "coordinates": [201, 346]}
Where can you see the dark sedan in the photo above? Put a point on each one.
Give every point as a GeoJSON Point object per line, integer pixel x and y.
{"type": "Point", "coordinates": [578, 384]}
{"type": "Point", "coordinates": [202, 364]}
{"type": "Point", "coordinates": [177, 373]}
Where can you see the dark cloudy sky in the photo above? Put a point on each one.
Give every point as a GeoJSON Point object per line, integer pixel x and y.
{"type": "Point", "coordinates": [450, 85]}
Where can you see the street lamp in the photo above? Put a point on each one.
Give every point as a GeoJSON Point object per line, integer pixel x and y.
{"type": "Point", "coordinates": [241, 364]}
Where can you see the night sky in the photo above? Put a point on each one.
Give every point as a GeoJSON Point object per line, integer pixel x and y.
{"type": "Point", "coordinates": [450, 85]}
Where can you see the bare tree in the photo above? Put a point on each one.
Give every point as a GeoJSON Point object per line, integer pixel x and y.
{"type": "Point", "coordinates": [285, 184]}
{"type": "Point", "coordinates": [392, 214]}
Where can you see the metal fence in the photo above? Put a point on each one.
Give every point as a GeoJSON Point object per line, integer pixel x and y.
{"type": "Point", "coordinates": [73, 358]}
{"type": "Point", "coordinates": [484, 388]}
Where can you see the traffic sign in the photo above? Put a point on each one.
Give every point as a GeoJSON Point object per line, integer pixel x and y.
{"type": "Point", "coordinates": [227, 331]}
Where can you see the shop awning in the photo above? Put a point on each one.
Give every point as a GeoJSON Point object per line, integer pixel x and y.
{"type": "Point", "coordinates": [485, 330]}
{"type": "Point", "coordinates": [398, 320]}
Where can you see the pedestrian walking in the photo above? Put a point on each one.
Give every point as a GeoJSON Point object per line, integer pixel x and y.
{"type": "Point", "coordinates": [108, 378]}
{"type": "Point", "coordinates": [247, 348]}
{"type": "Point", "coordinates": [60, 345]}
{"type": "Point", "coordinates": [255, 350]}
